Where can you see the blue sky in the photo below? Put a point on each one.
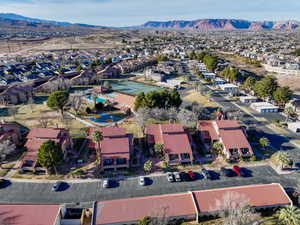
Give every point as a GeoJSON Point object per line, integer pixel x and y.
{"type": "Point", "coordinates": [135, 12]}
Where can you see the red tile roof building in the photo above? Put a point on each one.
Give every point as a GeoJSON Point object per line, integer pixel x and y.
{"type": "Point", "coordinates": [177, 142]}
{"type": "Point", "coordinates": [116, 147]}
{"type": "Point", "coordinates": [188, 206]}
{"type": "Point", "coordinates": [29, 214]}
{"type": "Point", "coordinates": [229, 133]}
{"type": "Point", "coordinates": [37, 136]}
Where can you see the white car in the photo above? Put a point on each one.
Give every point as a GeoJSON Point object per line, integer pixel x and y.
{"type": "Point", "coordinates": [142, 181]}
{"type": "Point", "coordinates": [170, 177]}
{"type": "Point", "coordinates": [106, 183]}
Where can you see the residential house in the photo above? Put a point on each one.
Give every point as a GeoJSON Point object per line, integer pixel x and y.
{"type": "Point", "coordinates": [230, 88]}
{"type": "Point", "coordinates": [264, 107]}
{"type": "Point", "coordinates": [38, 136]}
{"type": "Point", "coordinates": [116, 147]}
{"type": "Point", "coordinates": [188, 206]}
{"type": "Point", "coordinates": [176, 140]}
{"type": "Point", "coordinates": [248, 99]}
{"type": "Point", "coordinates": [229, 133]}
{"type": "Point", "coordinates": [15, 95]}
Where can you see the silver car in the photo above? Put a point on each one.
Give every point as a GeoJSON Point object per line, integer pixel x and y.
{"type": "Point", "coordinates": [170, 177]}
{"type": "Point", "coordinates": [177, 176]}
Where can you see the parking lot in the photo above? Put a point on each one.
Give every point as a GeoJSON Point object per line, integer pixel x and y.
{"type": "Point", "coordinates": [28, 192]}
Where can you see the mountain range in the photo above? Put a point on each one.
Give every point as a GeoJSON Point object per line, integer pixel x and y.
{"type": "Point", "coordinates": [11, 19]}
{"type": "Point", "coordinates": [222, 24]}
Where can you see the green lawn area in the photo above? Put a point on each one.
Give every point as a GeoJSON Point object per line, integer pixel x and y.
{"type": "Point", "coordinates": [5, 169]}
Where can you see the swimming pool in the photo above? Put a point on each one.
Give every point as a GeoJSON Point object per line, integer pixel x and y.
{"type": "Point", "coordinates": [98, 99]}
{"type": "Point", "coordinates": [132, 87]}
{"type": "Point", "coordinates": [104, 118]}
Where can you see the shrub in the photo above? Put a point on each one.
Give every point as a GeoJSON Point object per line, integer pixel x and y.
{"type": "Point", "coordinates": [88, 110]}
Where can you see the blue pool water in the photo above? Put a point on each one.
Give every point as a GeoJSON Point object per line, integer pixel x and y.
{"type": "Point", "coordinates": [97, 99]}
{"type": "Point", "coordinates": [104, 118]}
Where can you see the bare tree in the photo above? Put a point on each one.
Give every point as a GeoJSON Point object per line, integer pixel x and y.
{"type": "Point", "coordinates": [187, 118]}
{"type": "Point", "coordinates": [30, 103]}
{"type": "Point", "coordinates": [43, 122]}
{"type": "Point", "coordinates": [234, 208]}
{"type": "Point", "coordinates": [12, 111]}
{"type": "Point", "coordinates": [6, 148]}
{"type": "Point", "coordinates": [76, 103]}
{"type": "Point", "coordinates": [142, 116]}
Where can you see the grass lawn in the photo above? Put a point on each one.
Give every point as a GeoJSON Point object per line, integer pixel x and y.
{"type": "Point", "coordinates": [5, 169]}
{"type": "Point", "coordinates": [132, 127]}
{"type": "Point", "coordinates": [195, 96]}
{"type": "Point", "coordinates": [30, 116]}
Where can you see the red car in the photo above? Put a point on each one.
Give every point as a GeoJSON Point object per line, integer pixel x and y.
{"type": "Point", "coordinates": [192, 175]}
{"type": "Point", "coordinates": [238, 171]}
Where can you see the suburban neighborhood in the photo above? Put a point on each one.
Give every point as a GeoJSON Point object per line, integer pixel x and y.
{"type": "Point", "coordinates": [149, 125]}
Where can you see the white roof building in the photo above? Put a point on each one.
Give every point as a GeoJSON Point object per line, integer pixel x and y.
{"type": "Point", "coordinates": [264, 107]}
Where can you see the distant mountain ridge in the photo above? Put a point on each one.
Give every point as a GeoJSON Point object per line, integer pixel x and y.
{"type": "Point", "coordinates": [16, 17]}
{"type": "Point", "coordinates": [222, 24]}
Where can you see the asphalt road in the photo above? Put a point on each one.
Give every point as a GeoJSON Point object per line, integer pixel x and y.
{"type": "Point", "coordinates": [27, 192]}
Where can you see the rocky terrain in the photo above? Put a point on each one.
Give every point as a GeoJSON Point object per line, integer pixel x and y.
{"type": "Point", "coordinates": [223, 24]}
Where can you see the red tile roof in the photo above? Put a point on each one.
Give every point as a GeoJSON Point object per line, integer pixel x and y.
{"type": "Point", "coordinates": [207, 126]}
{"type": "Point", "coordinates": [116, 142]}
{"type": "Point", "coordinates": [184, 204]}
{"type": "Point", "coordinates": [29, 214]}
{"type": "Point", "coordinates": [234, 139]}
{"type": "Point", "coordinates": [223, 124]}
{"type": "Point", "coordinates": [258, 196]}
{"type": "Point", "coordinates": [50, 133]}
{"type": "Point", "coordinates": [133, 209]}
{"type": "Point", "coordinates": [173, 136]}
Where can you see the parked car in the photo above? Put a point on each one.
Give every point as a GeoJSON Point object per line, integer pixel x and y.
{"type": "Point", "coordinates": [205, 173]}
{"type": "Point", "coordinates": [238, 170]}
{"type": "Point", "coordinates": [226, 172]}
{"type": "Point", "coordinates": [170, 177]}
{"type": "Point", "coordinates": [177, 176]}
{"type": "Point", "coordinates": [106, 183]}
{"type": "Point", "coordinates": [142, 181]}
{"type": "Point", "coordinates": [3, 183]}
{"type": "Point", "coordinates": [185, 176]}
{"type": "Point", "coordinates": [57, 186]}
{"type": "Point", "coordinates": [192, 175]}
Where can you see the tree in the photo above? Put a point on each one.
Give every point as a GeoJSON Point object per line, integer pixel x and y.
{"type": "Point", "coordinates": [79, 68]}
{"type": "Point", "coordinates": [282, 95]}
{"type": "Point", "coordinates": [235, 210]}
{"type": "Point", "coordinates": [6, 148]}
{"type": "Point", "coordinates": [76, 102]}
{"type": "Point", "coordinates": [210, 62]}
{"type": "Point", "coordinates": [217, 148]}
{"type": "Point", "coordinates": [43, 122]}
{"type": "Point", "coordinates": [266, 87]}
{"type": "Point", "coordinates": [282, 158]}
{"type": "Point", "coordinates": [249, 83]}
{"type": "Point", "coordinates": [30, 103]}
{"type": "Point", "coordinates": [107, 85]}
{"type": "Point", "coordinates": [57, 100]}
{"type": "Point", "coordinates": [98, 137]}
{"type": "Point", "coordinates": [145, 221]}
{"type": "Point", "coordinates": [264, 142]}
{"type": "Point", "coordinates": [290, 112]}
{"type": "Point", "coordinates": [12, 111]}
{"type": "Point", "coordinates": [187, 118]}
{"type": "Point", "coordinates": [286, 216]}
{"type": "Point", "coordinates": [50, 155]}
{"type": "Point", "coordinates": [148, 166]}
{"type": "Point", "coordinates": [159, 148]}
